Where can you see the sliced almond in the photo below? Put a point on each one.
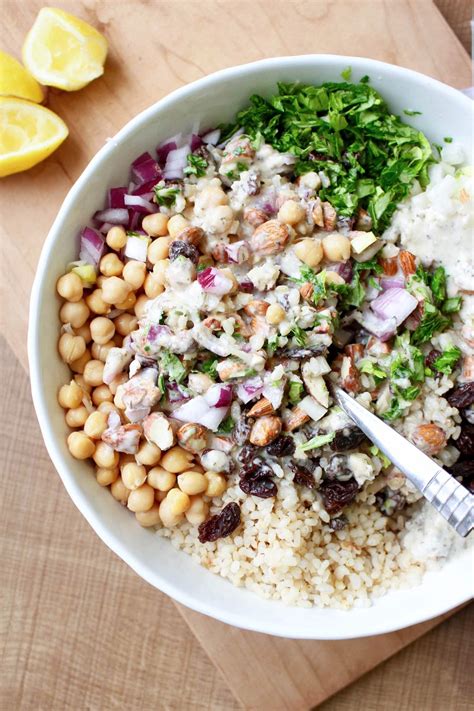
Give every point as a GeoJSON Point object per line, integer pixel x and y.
{"type": "Point", "coordinates": [296, 418]}
{"type": "Point", "coordinates": [261, 408]}
{"type": "Point", "coordinates": [270, 238]}
{"type": "Point", "coordinates": [158, 430]}
{"type": "Point", "coordinates": [264, 430]}
{"type": "Point", "coordinates": [407, 262]}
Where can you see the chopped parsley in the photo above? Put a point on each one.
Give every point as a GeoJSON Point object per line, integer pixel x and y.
{"type": "Point", "coordinates": [367, 366]}
{"type": "Point", "coordinates": [172, 366]}
{"type": "Point", "coordinates": [377, 453]}
{"type": "Point", "coordinates": [347, 130]}
{"type": "Point", "coordinates": [272, 344]}
{"type": "Point", "coordinates": [196, 166]}
{"type": "Point", "coordinates": [452, 305]}
{"type": "Point", "coordinates": [446, 362]}
{"type": "Point", "coordinates": [209, 367]}
{"type": "Point", "coordinates": [318, 441]}
{"type": "Point", "coordinates": [299, 335]}
{"type": "Point", "coordinates": [409, 112]}
{"type": "Point", "coordinates": [432, 322]}
{"type": "Point", "coordinates": [346, 73]}
{"type": "Point", "coordinates": [318, 282]}
{"type": "Point", "coordinates": [166, 195]}
{"type": "Point", "coordinates": [226, 426]}
{"type": "Point", "coordinates": [295, 392]}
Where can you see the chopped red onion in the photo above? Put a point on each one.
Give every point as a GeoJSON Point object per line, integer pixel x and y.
{"type": "Point", "coordinates": [199, 411]}
{"type": "Point", "coordinates": [164, 148]}
{"type": "Point", "coordinates": [157, 330]}
{"type": "Point", "coordinates": [383, 328]}
{"type": "Point", "coordinates": [219, 395]}
{"type": "Point", "coordinates": [145, 168]}
{"type": "Point", "coordinates": [195, 142]}
{"type": "Point", "coordinates": [250, 389]}
{"type": "Point", "coordinates": [238, 252]}
{"type": "Point", "coordinates": [143, 189]}
{"type": "Point", "coordinates": [213, 418]}
{"type": "Point", "coordinates": [344, 269]}
{"type": "Point", "coordinates": [393, 282]}
{"type": "Point", "coordinates": [176, 393]}
{"type": "Point", "coordinates": [136, 248]}
{"type": "Point", "coordinates": [115, 198]}
{"type": "Point", "coordinates": [114, 215]}
{"type": "Point", "coordinates": [135, 220]}
{"type": "Point", "coordinates": [246, 286]}
{"type": "Point", "coordinates": [394, 303]}
{"type": "Point", "coordinates": [105, 227]}
{"type": "Point", "coordinates": [140, 204]}
{"type": "Point", "coordinates": [212, 281]}
{"type": "Point", "coordinates": [212, 137]}
{"type": "Point", "coordinates": [176, 162]}
{"type": "Point", "coordinates": [92, 246]}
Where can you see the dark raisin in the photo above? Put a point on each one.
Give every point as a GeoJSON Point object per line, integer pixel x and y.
{"type": "Point", "coordinates": [220, 525]}
{"type": "Point", "coordinates": [464, 470]}
{"type": "Point", "coordinates": [465, 441]}
{"type": "Point", "coordinates": [337, 468]}
{"type": "Point", "coordinates": [303, 477]}
{"type": "Point", "coordinates": [389, 502]}
{"type": "Point", "coordinates": [241, 431]}
{"type": "Point", "coordinates": [468, 415]}
{"type": "Point", "coordinates": [431, 357]}
{"type": "Point", "coordinates": [462, 395]}
{"type": "Point", "coordinates": [247, 453]}
{"type": "Point", "coordinates": [347, 438]}
{"type": "Point", "coordinates": [263, 488]}
{"type": "Point", "coordinates": [338, 523]}
{"type": "Point", "coordinates": [255, 469]}
{"type": "Point", "coordinates": [301, 353]}
{"type": "Point", "coordinates": [282, 446]}
{"type": "Point", "coordinates": [337, 494]}
{"type": "Point", "coordinates": [178, 248]}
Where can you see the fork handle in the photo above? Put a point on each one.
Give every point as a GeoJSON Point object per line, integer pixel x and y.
{"type": "Point", "coordinates": [452, 500]}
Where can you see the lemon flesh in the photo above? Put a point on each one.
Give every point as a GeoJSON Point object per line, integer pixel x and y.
{"type": "Point", "coordinates": [63, 51]}
{"type": "Point", "coordinates": [15, 80]}
{"type": "Point", "coordinates": [29, 133]}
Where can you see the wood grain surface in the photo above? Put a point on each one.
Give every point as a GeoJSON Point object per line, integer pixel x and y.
{"type": "Point", "coordinates": [79, 630]}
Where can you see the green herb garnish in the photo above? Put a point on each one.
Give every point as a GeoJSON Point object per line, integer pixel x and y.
{"type": "Point", "coordinates": [295, 392]}
{"type": "Point", "coordinates": [165, 195]}
{"type": "Point", "coordinates": [196, 166]}
{"type": "Point", "coordinates": [409, 112]}
{"type": "Point", "coordinates": [432, 322]}
{"type": "Point", "coordinates": [377, 453]}
{"type": "Point", "coordinates": [318, 441]}
{"type": "Point", "coordinates": [209, 367]}
{"type": "Point", "coordinates": [299, 335]}
{"type": "Point", "coordinates": [452, 305]}
{"type": "Point", "coordinates": [226, 426]}
{"type": "Point", "coordinates": [446, 362]}
{"type": "Point", "coordinates": [173, 367]}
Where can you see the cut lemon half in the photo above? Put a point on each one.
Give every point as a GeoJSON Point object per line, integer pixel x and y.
{"type": "Point", "coordinates": [29, 133]}
{"type": "Point", "coordinates": [63, 51]}
{"type": "Point", "coordinates": [16, 81]}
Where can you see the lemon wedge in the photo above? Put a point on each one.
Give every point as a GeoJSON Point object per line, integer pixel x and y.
{"type": "Point", "coordinates": [29, 134]}
{"type": "Point", "coordinates": [15, 80]}
{"type": "Point", "coordinates": [63, 51]}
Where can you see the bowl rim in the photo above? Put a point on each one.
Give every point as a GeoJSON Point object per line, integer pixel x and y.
{"type": "Point", "coordinates": [408, 616]}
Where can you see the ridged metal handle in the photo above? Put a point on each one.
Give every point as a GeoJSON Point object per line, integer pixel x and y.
{"type": "Point", "coordinates": [452, 500]}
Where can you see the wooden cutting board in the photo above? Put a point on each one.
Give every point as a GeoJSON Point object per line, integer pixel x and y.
{"type": "Point", "coordinates": [155, 47]}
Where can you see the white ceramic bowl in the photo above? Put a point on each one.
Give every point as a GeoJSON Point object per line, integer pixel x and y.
{"type": "Point", "coordinates": [214, 99]}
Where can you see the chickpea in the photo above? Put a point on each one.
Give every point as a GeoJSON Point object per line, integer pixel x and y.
{"type": "Point", "coordinates": [153, 287]}
{"type": "Point", "coordinates": [119, 491]}
{"type": "Point", "coordinates": [216, 484]}
{"type": "Point", "coordinates": [106, 406]}
{"type": "Point", "coordinates": [105, 457]}
{"type": "Point", "coordinates": [150, 517]}
{"type": "Point", "coordinates": [161, 479]}
{"type": "Point", "coordinates": [80, 446]}
{"type": "Point", "coordinates": [198, 511]}
{"type": "Point", "coordinates": [94, 372]}
{"type": "Point", "coordinates": [100, 280]}
{"type": "Point", "coordinates": [76, 416]}
{"type": "Point", "coordinates": [133, 475]}
{"type": "Point", "coordinates": [101, 394]}
{"type": "Point", "coordinates": [125, 323]}
{"type": "Point", "coordinates": [310, 180]}
{"type": "Point", "coordinates": [105, 477]}
{"type": "Point", "coordinates": [176, 225]}
{"type": "Point", "coordinates": [159, 271]}
{"type": "Point", "coordinates": [78, 365]}
{"type": "Point", "coordinates": [168, 518]}
{"type": "Point", "coordinates": [118, 340]}
{"type": "Point", "coordinates": [116, 238]}
{"type": "Point", "coordinates": [141, 499]}
{"type": "Point", "coordinates": [70, 287]}
{"type": "Point", "coordinates": [291, 212]}
{"type": "Point", "coordinates": [220, 219]}
{"type": "Point", "coordinates": [115, 290]}
{"type": "Point", "coordinates": [129, 302]}
{"type": "Point", "coordinates": [176, 460]}
{"type": "Point", "coordinates": [126, 459]}
{"type": "Point", "coordinates": [337, 248]}
{"type": "Point", "coordinates": [141, 302]}
{"type": "Point", "coordinates": [211, 196]}
{"type": "Point", "coordinates": [100, 352]}
{"type": "Point", "coordinates": [156, 225]}
{"type": "Point", "coordinates": [71, 347]}
{"type": "Point", "coordinates": [134, 273]}
{"type": "Point", "coordinates": [110, 265]}
{"type": "Point", "coordinates": [79, 379]}
{"type": "Point", "coordinates": [310, 251]}
{"type": "Point", "coordinates": [179, 502]}
{"type": "Point", "coordinates": [102, 329]}
{"type": "Point", "coordinates": [275, 314]}
{"type": "Point", "coordinates": [159, 249]}
{"type": "Point", "coordinates": [118, 380]}
{"type": "Point", "coordinates": [85, 332]}
{"type": "Point", "coordinates": [70, 395]}
{"type": "Point", "coordinates": [334, 278]}
{"type": "Point", "coordinates": [192, 483]}
{"type": "Point", "coordinates": [74, 312]}
{"type": "Point", "coordinates": [96, 424]}
{"type": "Point", "coordinates": [96, 303]}
{"type": "Point", "coordinates": [160, 495]}
{"type": "Point", "coordinates": [148, 453]}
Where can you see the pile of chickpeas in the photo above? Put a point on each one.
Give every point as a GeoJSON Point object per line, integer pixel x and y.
{"type": "Point", "coordinates": [159, 487]}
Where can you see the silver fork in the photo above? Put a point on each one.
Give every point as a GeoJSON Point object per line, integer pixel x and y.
{"type": "Point", "coordinates": [450, 498]}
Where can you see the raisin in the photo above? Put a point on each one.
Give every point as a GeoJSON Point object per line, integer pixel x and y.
{"type": "Point", "coordinates": [282, 446]}
{"type": "Point", "coordinates": [468, 414]}
{"type": "Point", "coordinates": [220, 525]}
{"type": "Point", "coordinates": [255, 469]}
{"type": "Point", "coordinates": [461, 396]}
{"type": "Point", "coordinates": [303, 477]}
{"type": "Point", "coordinates": [301, 353]}
{"type": "Point", "coordinates": [241, 431]}
{"type": "Point", "coordinates": [347, 438]}
{"type": "Point", "coordinates": [337, 494]}
{"type": "Point", "coordinates": [465, 441]}
{"type": "Point", "coordinates": [337, 524]}
{"type": "Point", "coordinates": [389, 502]}
{"type": "Point", "coordinates": [431, 357]}
{"type": "Point", "coordinates": [464, 470]}
{"type": "Point", "coordinates": [337, 468]}
{"type": "Point", "coordinates": [179, 248]}
{"type": "Point", "coordinates": [247, 453]}
{"type": "Point", "coordinates": [263, 488]}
